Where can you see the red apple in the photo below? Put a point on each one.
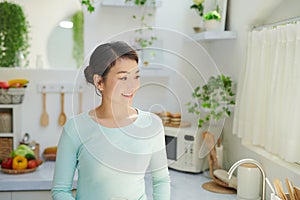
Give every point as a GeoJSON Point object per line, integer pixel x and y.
{"type": "Point", "coordinates": [4, 85]}
{"type": "Point", "coordinates": [38, 162]}
{"type": "Point", "coordinates": [31, 164]}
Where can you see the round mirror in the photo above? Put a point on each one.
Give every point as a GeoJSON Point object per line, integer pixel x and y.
{"type": "Point", "coordinates": [60, 46]}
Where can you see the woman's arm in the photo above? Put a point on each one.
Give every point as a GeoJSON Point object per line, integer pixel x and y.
{"type": "Point", "coordinates": [159, 170]}
{"type": "Point", "coordinates": [65, 166]}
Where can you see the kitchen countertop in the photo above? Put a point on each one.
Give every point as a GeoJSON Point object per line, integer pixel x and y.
{"type": "Point", "coordinates": [183, 185]}
{"type": "Point", "coordinates": [40, 179]}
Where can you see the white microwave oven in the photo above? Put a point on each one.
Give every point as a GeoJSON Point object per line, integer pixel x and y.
{"type": "Point", "coordinates": [182, 146]}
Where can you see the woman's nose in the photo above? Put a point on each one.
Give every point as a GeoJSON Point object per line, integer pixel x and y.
{"type": "Point", "coordinates": [133, 84]}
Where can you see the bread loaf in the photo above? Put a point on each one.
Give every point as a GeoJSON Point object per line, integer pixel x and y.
{"type": "Point", "coordinates": [50, 150]}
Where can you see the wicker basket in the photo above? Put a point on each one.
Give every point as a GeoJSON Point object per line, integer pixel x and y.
{"type": "Point", "coordinates": [12, 95]}
{"type": "Point", "coordinates": [18, 171]}
{"type": "Point", "coordinates": [6, 147]}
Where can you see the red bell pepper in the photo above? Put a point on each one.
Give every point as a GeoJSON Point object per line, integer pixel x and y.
{"type": "Point", "coordinates": [7, 163]}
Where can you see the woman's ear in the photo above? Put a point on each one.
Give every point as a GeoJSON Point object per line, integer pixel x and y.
{"type": "Point", "coordinates": [98, 81]}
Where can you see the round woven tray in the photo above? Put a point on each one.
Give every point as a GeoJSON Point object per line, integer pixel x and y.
{"type": "Point", "coordinates": [17, 171]}
{"type": "Point", "coordinates": [214, 187]}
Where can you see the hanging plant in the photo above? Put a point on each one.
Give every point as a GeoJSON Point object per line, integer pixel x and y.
{"type": "Point", "coordinates": [89, 5]}
{"type": "Point", "coordinates": [78, 38]}
{"type": "Point", "coordinates": [142, 39]}
{"type": "Point", "coordinates": [13, 34]}
{"type": "Point", "coordinates": [215, 99]}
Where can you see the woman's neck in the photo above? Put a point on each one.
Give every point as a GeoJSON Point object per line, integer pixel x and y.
{"type": "Point", "coordinates": [108, 110]}
{"type": "Point", "coordinates": [114, 116]}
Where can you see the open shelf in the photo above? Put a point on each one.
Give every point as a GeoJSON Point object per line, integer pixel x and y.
{"type": "Point", "coordinates": [214, 35]}
{"type": "Point", "coordinates": [122, 3]}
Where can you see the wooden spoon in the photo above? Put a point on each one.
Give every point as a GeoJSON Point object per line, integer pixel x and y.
{"type": "Point", "coordinates": [279, 189]}
{"type": "Point", "coordinates": [291, 193]}
{"type": "Point", "coordinates": [62, 116]}
{"type": "Point", "coordinates": [80, 101]}
{"type": "Point", "coordinates": [296, 192]}
{"type": "Point", "coordinates": [44, 117]}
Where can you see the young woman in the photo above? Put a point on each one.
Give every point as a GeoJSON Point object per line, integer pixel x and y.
{"type": "Point", "coordinates": [114, 145]}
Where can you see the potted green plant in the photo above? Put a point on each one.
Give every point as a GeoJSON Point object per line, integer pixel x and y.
{"type": "Point", "coordinates": [212, 20]}
{"type": "Point", "coordinates": [199, 7]}
{"type": "Point", "coordinates": [214, 100]}
{"type": "Point", "coordinates": [13, 35]}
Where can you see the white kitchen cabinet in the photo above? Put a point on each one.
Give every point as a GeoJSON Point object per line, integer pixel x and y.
{"type": "Point", "coordinates": [5, 195]}
{"type": "Point", "coordinates": [10, 127]}
{"type": "Point", "coordinates": [26, 195]}
{"type": "Point", "coordinates": [31, 195]}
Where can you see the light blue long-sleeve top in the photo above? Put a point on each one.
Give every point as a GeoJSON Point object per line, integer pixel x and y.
{"type": "Point", "coordinates": [111, 162]}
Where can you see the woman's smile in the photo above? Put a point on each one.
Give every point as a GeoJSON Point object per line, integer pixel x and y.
{"type": "Point", "coordinates": [127, 95]}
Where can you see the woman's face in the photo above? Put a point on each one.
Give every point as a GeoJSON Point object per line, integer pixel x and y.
{"type": "Point", "coordinates": [121, 82]}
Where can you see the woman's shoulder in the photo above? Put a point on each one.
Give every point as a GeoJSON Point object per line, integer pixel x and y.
{"type": "Point", "coordinates": [150, 115]}
{"type": "Point", "coordinates": [148, 119]}
{"type": "Point", "coordinates": [74, 120]}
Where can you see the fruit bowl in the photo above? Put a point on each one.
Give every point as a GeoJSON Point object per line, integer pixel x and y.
{"type": "Point", "coordinates": [18, 171]}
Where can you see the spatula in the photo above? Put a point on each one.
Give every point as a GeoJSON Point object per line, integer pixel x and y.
{"type": "Point", "coordinates": [44, 121]}
{"type": "Point", "coordinates": [279, 189]}
{"type": "Point", "coordinates": [80, 101]}
{"type": "Point", "coordinates": [62, 116]}
{"type": "Point", "coordinates": [291, 193]}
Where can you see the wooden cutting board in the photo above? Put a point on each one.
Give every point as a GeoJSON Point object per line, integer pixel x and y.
{"type": "Point", "coordinates": [181, 125]}
{"type": "Point", "coordinates": [214, 187]}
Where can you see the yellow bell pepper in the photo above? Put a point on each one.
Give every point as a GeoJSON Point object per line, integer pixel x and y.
{"type": "Point", "coordinates": [19, 162]}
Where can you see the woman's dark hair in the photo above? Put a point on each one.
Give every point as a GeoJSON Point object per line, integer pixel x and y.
{"type": "Point", "coordinates": [105, 56]}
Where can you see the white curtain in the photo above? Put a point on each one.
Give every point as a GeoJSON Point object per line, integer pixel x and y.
{"type": "Point", "coordinates": [268, 98]}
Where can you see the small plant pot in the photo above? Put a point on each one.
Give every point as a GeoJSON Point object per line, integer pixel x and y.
{"type": "Point", "coordinates": [212, 25]}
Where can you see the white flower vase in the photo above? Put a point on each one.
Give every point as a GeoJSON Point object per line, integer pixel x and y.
{"type": "Point", "coordinates": [212, 25]}
{"type": "Point", "coordinates": [201, 26]}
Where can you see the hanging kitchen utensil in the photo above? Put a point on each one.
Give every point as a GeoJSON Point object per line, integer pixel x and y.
{"type": "Point", "coordinates": [62, 116]}
{"type": "Point", "coordinates": [290, 189]}
{"type": "Point", "coordinates": [296, 192]}
{"type": "Point", "coordinates": [44, 121]}
{"type": "Point", "coordinates": [279, 189]}
{"type": "Point", "coordinates": [80, 100]}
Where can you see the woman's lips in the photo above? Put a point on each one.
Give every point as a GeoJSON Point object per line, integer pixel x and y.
{"type": "Point", "coordinates": [130, 95]}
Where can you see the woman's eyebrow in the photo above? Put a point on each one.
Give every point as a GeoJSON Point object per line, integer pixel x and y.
{"type": "Point", "coordinates": [126, 72]}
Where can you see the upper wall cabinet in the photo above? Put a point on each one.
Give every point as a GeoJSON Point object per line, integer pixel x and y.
{"type": "Point", "coordinates": [130, 3]}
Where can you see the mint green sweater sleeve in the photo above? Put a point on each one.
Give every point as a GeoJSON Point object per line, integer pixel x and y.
{"type": "Point", "coordinates": [65, 168]}
{"type": "Point", "coordinates": [159, 170]}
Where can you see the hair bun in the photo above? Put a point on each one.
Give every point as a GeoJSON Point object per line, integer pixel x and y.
{"type": "Point", "coordinates": [88, 73]}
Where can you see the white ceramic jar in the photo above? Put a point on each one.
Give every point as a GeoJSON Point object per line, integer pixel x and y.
{"type": "Point", "coordinates": [249, 182]}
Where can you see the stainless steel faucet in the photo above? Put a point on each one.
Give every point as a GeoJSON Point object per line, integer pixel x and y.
{"type": "Point", "coordinates": [251, 161]}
